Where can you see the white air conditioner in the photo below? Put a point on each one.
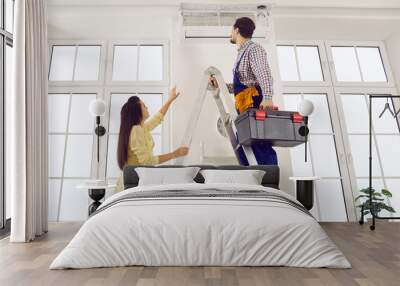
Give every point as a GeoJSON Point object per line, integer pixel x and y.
{"type": "Point", "coordinates": [212, 21]}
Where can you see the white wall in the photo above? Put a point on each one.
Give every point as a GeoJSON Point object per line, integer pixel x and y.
{"type": "Point", "coordinates": [188, 61]}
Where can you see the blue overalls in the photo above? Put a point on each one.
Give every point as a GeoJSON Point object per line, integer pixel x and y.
{"type": "Point", "coordinates": [264, 153]}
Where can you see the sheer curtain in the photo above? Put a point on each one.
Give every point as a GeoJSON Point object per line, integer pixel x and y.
{"type": "Point", "coordinates": [28, 122]}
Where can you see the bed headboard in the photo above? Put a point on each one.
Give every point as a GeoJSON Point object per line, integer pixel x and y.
{"type": "Point", "coordinates": [270, 179]}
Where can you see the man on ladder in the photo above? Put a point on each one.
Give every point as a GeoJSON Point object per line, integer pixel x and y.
{"type": "Point", "coordinates": [252, 84]}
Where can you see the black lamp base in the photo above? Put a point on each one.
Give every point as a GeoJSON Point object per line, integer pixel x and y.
{"type": "Point", "coordinates": [96, 195]}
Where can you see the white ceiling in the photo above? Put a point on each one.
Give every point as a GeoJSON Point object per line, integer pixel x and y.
{"type": "Point", "coordinates": [387, 4]}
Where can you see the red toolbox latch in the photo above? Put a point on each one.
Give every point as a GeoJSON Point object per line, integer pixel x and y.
{"type": "Point", "coordinates": [261, 115]}
{"type": "Point", "coordinates": [297, 118]}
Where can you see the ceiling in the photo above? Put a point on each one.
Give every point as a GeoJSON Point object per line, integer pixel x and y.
{"type": "Point", "coordinates": [386, 4]}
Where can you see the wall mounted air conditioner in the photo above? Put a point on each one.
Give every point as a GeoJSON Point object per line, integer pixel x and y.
{"type": "Point", "coordinates": [213, 21]}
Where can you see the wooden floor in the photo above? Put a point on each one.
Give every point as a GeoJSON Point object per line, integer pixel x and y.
{"type": "Point", "coordinates": [375, 257]}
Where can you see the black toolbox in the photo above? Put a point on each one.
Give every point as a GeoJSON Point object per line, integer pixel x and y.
{"type": "Point", "coordinates": [281, 128]}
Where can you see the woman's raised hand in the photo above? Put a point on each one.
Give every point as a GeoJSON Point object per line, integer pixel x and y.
{"type": "Point", "coordinates": [173, 94]}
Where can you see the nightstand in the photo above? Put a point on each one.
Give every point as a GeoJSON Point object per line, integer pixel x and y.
{"type": "Point", "coordinates": [96, 193]}
{"type": "Point", "coordinates": [305, 190]}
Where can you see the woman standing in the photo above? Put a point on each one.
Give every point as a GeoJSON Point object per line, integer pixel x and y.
{"type": "Point", "coordinates": [135, 142]}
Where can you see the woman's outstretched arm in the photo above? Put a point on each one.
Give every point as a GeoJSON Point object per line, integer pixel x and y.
{"type": "Point", "coordinates": [156, 119]}
{"type": "Point", "coordinates": [181, 151]}
{"type": "Point", "coordinates": [173, 94]}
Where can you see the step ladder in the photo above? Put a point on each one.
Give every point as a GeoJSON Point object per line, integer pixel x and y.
{"type": "Point", "coordinates": [227, 111]}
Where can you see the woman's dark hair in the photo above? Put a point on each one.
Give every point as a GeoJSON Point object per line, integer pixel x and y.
{"type": "Point", "coordinates": [246, 27]}
{"type": "Point", "coordinates": [131, 115]}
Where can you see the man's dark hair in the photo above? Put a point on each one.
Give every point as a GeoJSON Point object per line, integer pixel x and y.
{"type": "Point", "coordinates": [246, 27]}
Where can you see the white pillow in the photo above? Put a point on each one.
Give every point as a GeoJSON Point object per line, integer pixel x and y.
{"type": "Point", "coordinates": [248, 177]}
{"type": "Point", "coordinates": [164, 176]}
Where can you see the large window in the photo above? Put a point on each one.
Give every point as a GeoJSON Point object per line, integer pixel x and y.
{"type": "Point", "coordinates": [80, 72]}
{"type": "Point", "coordinates": [6, 44]}
{"type": "Point", "coordinates": [337, 77]}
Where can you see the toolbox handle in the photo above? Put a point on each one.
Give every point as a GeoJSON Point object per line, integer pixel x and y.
{"type": "Point", "coordinates": [261, 115]}
{"type": "Point", "coordinates": [297, 118]}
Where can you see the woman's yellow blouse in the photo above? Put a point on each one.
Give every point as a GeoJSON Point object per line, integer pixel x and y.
{"type": "Point", "coordinates": [141, 144]}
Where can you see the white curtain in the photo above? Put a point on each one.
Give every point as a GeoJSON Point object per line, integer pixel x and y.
{"type": "Point", "coordinates": [28, 122]}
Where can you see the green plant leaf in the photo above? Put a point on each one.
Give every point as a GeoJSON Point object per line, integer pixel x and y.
{"type": "Point", "coordinates": [367, 191]}
{"type": "Point", "coordinates": [389, 209]}
{"type": "Point", "coordinates": [386, 193]}
{"type": "Point", "coordinates": [361, 196]}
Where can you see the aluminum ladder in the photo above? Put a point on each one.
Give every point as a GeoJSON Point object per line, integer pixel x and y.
{"type": "Point", "coordinates": [226, 109]}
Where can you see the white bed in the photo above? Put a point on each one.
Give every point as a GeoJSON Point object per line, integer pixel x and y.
{"type": "Point", "coordinates": [185, 230]}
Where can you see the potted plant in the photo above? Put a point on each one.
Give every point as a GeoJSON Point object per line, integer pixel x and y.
{"type": "Point", "coordinates": [377, 203]}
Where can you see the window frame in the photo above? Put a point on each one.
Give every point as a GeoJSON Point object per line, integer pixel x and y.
{"type": "Point", "coordinates": [338, 139]}
{"type": "Point", "coordinates": [349, 181]}
{"type": "Point", "coordinates": [93, 163]}
{"type": "Point", "coordinates": [346, 141]}
{"type": "Point", "coordinates": [102, 61]}
{"type": "Point", "coordinates": [103, 87]}
{"type": "Point", "coordinates": [110, 55]}
{"type": "Point", "coordinates": [323, 59]}
{"type": "Point", "coordinates": [385, 62]}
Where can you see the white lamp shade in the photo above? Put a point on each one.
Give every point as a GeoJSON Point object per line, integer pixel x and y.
{"type": "Point", "coordinates": [305, 107]}
{"type": "Point", "coordinates": [97, 107]}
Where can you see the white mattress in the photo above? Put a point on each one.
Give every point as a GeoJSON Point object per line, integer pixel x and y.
{"type": "Point", "coordinates": [200, 231]}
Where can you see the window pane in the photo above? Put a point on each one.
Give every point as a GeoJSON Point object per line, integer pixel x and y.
{"type": "Point", "coordinates": [320, 119]}
{"type": "Point", "coordinates": [56, 155]}
{"type": "Point", "coordinates": [79, 156]}
{"type": "Point", "coordinates": [74, 202]}
{"type": "Point", "coordinates": [346, 66]}
{"type": "Point", "coordinates": [330, 200]}
{"type": "Point", "coordinates": [324, 156]}
{"type": "Point", "coordinates": [62, 63]}
{"type": "Point", "coordinates": [54, 193]}
{"type": "Point", "coordinates": [125, 63]}
{"type": "Point", "coordinates": [151, 63]}
{"type": "Point", "coordinates": [9, 15]}
{"type": "Point", "coordinates": [291, 101]}
{"type": "Point", "coordinates": [364, 183]}
{"type": "Point", "coordinates": [355, 113]}
{"type": "Point", "coordinates": [309, 64]}
{"type": "Point", "coordinates": [157, 150]}
{"type": "Point", "coordinates": [360, 153]}
{"type": "Point", "coordinates": [299, 166]}
{"type": "Point", "coordinates": [87, 63]}
{"type": "Point", "coordinates": [117, 101]}
{"type": "Point", "coordinates": [371, 64]}
{"type": "Point", "coordinates": [81, 121]}
{"type": "Point", "coordinates": [113, 170]}
{"type": "Point", "coordinates": [58, 112]}
{"type": "Point", "coordinates": [390, 154]}
{"type": "Point", "coordinates": [287, 63]}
